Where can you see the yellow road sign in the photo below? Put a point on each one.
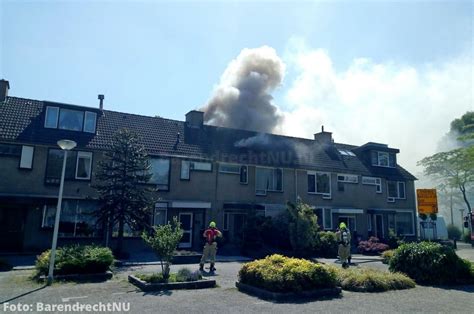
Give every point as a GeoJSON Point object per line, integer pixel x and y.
{"type": "Point", "coordinates": [427, 201]}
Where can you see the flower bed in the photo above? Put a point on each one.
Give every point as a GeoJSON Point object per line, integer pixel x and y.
{"type": "Point", "coordinates": [293, 277]}
{"type": "Point", "coordinates": [183, 279]}
{"type": "Point", "coordinates": [371, 280]}
{"type": "Point", "coordinates": [372, 246]}
{"type": "Point", "coordinates": [76, 260]}
{"type": "Point", "coordinates": [431, 263]}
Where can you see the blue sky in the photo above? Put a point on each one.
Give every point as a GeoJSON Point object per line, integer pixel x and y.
{"type": "Point", "coordinates": [165, 58]}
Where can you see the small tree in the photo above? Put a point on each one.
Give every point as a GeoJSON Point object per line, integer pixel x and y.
{"type": "Point", "coordinates": [164, 241]}
{"type": "Point", "coordinates": [454, 168]}
{"type": "Point", "coordinates": [120, 183]}
{"type": "Point", "coordinates": [303, 228]}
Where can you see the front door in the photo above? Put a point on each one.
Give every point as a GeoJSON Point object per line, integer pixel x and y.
{"type": "Point", "coordinates": [379, 226]}
{"type": "Point", "coordinates": [186, 220]}
{"type": "Point", "coordinates": [12, 222]}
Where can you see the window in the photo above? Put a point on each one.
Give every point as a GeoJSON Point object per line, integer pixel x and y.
{"type": "Point", "coordinates": [159, 216]}
{"type": "Point", "coordinates": [10, 150]}
{"type": "Point", "coordinates": [268, 179]}
{"type": "Point", "coordinates": [71, 119]}
{"type": "Point", "coordinates": [321, 185]}
{"type": "Point", "coordinates": [51, 120]}
{"type": "Point", "coordinates": [226, 222]}
{"type": "Point", "coordinates": [83, 166]}
{"type": "Point", "coordinates": [404, 223]}
{"type": "Point", "coordinates": [241, 170]}
{"type": "Point", "coordinates": [383, 159]}
{"type": "Point", "coordinates": [396, 189]}
{"type": "Point", "coordinates": [324, 217]}
{"type": "Point", "coordinates": [373, 181]}
{"type": "Point", "coordinates": [78, 166]}
{"type": "Point", "coordinates": [77, 218]}
{"type": "Point", "coordinates": [229, 168]}
{"type": "Point", "coordinates": [346, 152]}
{"type": "Point", "coordinates": [244, 179]}
{"type": "Point", "coordinates": [90, 122]}
{"type": "Point", "coordinates": [26, 161]}
{"type": "Point", "coordinates": [187, 166]}
{"type": "Point", "coordinates": [369, 222]}
{"type": "Point", "coordinates": [160, 173]}
{"type": "Point", "coordinates": [348, 178]}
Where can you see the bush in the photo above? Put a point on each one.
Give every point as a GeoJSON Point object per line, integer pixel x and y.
{"type": "Point", "coordinates": [185, 274]}
{"type": "Point", "coordinates": [454, 233]}
{"type": "Point", "coordinates": [327, 244]}
{"type": "Point", "coordinates": [278, 273]}
{"type": "Point", "coordinates": [387, 255]}
{"type": "Point", "coordinates": [303, 228]}
{"type": "Point", "coordinates": [275, 232]}
{"type": "Point", "coordinates": [372, 246]}
{"type": "Point", "coordinates": [467, 237]}
{"type": "Point", "coordinates": [371, 280]}
{"type": "Point", "coordinates": [393, 240]}
{"type": "Point", "coordinates": [76, 259]}
{"type": "Point", "coordinates": [431, 263]}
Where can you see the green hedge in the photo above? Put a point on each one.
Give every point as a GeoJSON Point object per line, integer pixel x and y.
{"type": "Point", "coordinates": [327, 244]}
{"type": "Point", "coordinates": [183, 275]}
{"type": "Point", "coordinates": [387, 255]}
{"type": "Point", "coordinates": [278, 273]}
{"type": "Point", "coordinates": [431, 263]}
{"type": "Point", "coordinates": [76, 259]}
{"type": "Point", "coordinates": [371, 280]}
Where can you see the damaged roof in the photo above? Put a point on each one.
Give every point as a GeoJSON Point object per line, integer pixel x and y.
{"type": "Point", "coordinates": [22, 121]}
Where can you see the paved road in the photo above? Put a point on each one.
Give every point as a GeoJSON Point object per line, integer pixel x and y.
{"type": "Point", "coordinates": [16, 287]}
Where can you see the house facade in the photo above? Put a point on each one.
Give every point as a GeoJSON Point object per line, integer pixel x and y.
{"type": "Point", "coordinates": [201, 173]}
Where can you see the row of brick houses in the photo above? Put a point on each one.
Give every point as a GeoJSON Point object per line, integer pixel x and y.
{"type": "Point", "coordinates": [202, 173]}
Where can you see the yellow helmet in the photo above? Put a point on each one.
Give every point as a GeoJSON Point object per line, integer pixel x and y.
{"type": "Point", "coordinates": [342, 226]}
{"type": "Point", "coordinates": [212, 224]}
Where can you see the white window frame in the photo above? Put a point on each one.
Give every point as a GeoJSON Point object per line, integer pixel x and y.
{"type": "Point", "coordinates": [48, 108]}
{"type": "Point", "coordinates": [187, 174]}
{"type": "Point", "coordinates": [315, 173]}
{"type": "Point", "coordinates": [85, 119]}
{"type": "Point", "coordinates": [162, 209]}
{"type": "Point", "coordinates": [376, 181]}
{"type": "Point", "coordinates": [83, 155]}
{"type": "Point", "coordinates": [378, 159]}
{"type": "Point", "coordinates": [26, 159]}
{"type": "Point", "coordinates": [200, 166]}
{"type": "Point", "coordinates": [247, 176]}
{"type": "Point", "coordinates": [397, 183]}
{"type": "Point", "coordinates": [346, 152]}
{"type": "Point", "coordinates": [323, 218]}
{"type": "Point", "coordinates": [346, 177]}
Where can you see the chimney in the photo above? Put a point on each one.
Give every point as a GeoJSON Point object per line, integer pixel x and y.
{"type": "Point", "coordinates": [101, 101]}
{"type": "Point", "coordinates": [195, 119]}
{"type": "Point", "coordinates": [323, 137]}
{"type": "Point", "coordinates": [4, 87]}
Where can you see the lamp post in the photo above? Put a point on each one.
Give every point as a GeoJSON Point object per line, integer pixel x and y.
{"type": "Point", "coordinates": [65, 146]}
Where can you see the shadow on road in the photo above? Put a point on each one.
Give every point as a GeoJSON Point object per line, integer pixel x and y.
{"type": "Point", "coordinates": [23, 294]}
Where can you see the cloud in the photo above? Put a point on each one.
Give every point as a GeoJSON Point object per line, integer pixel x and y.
{"type": "Point", "coordinates": [406, 106]}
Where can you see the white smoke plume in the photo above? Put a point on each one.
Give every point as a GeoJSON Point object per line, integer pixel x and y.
{"type": "Point", "coordinates": [243, 97]}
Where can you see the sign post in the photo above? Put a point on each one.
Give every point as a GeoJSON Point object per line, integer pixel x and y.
{"type": "Point", "coordinates": [427, 204]}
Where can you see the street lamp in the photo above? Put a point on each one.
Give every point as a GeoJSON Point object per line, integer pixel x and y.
{"type": "Point", "coordinates": [65, 146]}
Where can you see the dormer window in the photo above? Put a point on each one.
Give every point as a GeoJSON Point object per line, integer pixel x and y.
{"type": "Point", "coordinates": [69, 119]}
{"type": "Point", "coordinates": [383, 159]}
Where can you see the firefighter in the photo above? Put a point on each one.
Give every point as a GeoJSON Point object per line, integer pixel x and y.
{"type": "Point", "coordinates": [210, 248]}
{"type": "Point", "coordinates": [343, 237]}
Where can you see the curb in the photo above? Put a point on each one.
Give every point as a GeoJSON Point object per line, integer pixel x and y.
{"type": "Point", "coordinates": [288, 296]}
{"type": "Point", "coordinates": [82, 277]}
{"type": "Point", "coordinates": [144, 286]}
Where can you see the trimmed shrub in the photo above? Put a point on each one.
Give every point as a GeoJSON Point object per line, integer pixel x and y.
{"type": "Point", "coordinates": [387, 255]}
{"type": "Point", "coordinates": [372, 246]}
{"type": "Point", "coordinates": [371, 280]}
{"type": "Point", "coordinates": [454, 233]}
{"type": "Point", "coordinates": [327, 244]}
{"type": "Point", "coordinates": [278, 273]}
{"type": "Point", "coordinates": [76, 259]}
{"type": "Point", "coordinates": [185, 274]}
{"type": "Point", "coordinates": [431, 263]}
{"type": "Point", "coordinates": [303, 228]}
